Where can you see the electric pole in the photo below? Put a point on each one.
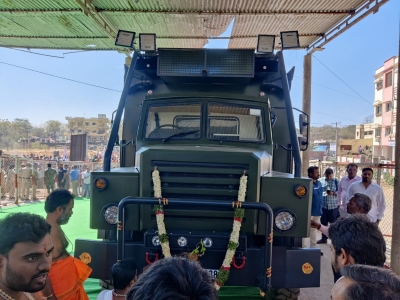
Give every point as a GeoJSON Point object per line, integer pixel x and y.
{"type": "Point", "coordinates": [395, 252]}
{"type": "Point", "coordinates": [336, 151]}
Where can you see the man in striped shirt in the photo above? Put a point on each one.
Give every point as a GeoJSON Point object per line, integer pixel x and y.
{"type": "Point", "coordinates": [329, 205]}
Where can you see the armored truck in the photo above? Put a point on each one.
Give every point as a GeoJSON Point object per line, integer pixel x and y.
{"type": "Point", "coordinates": [202, 118]}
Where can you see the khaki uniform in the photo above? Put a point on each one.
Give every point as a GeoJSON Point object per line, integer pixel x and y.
{"type": "Point", "coordinates": [49, 176]}
{"type": "Point", "coordinates": [26, 180]}
{"type": "Point", "coordinates": [35, 182]}
{"type": "Point", "coordinates": [10, 184]}
{"type": "Point", "coordinates": [3, 183]}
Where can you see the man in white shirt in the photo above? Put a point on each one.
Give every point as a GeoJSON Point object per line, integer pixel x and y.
{"type": "Point", "coordinates": [344, 185]}
{"type": "Point", "coordinates": [374, 191]}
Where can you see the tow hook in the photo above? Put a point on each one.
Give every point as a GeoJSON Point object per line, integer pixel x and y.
{"type": "Point", "coordinates": [151, 254]}
{"type": "Point", "coordinates": [241, 266]}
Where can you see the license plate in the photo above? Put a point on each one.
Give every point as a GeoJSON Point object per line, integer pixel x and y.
{"type": "Point", "coordinates": [213, 273]}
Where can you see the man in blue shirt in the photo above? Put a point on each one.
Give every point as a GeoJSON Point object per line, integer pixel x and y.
{"type": "Point", "coordinates": [74, 174]}
{"type": "Point", "coordinates": [317, 201]}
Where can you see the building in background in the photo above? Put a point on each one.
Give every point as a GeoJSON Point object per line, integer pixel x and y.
{"type": "Point", "coordinates": [385, 102]}
{"type": "Point", "coordinates": [97, 129]}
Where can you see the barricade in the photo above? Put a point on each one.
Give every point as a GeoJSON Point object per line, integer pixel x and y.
{"type": "Point", "coordinates": [16, 185]}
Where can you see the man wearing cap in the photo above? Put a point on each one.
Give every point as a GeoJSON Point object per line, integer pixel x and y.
{"type": "Point", "coordinates": [49, 178]}
{"type": "Point", "coordinates": [35, 180]}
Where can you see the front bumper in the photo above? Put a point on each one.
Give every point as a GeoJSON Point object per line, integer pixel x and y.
{"type": "Point", "coordinates": [290, 266]}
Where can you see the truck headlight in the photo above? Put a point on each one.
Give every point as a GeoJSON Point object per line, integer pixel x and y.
{"type": "Point", "coordinates": [300, 190]}
{"type": "Point", "coordinates": [284, 220]}
{"type": "Point", "coordinates": [111, 214]}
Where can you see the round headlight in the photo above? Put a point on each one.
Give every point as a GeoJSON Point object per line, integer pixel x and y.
{"type": "Point", "coordinates": [284, 220]}
{"type": "Point", "coordinates": [182, 241]}
{"type": "Point", "coordinates": [156, 241]}
{"type": "Point", "coordinates": [111, 214]}
{"type": "Point", "coordinates": [300, 190]}
{"type": "Point", "coordinates": [100, 183]}
{"type": "Point", "coordinates": [207, 242]}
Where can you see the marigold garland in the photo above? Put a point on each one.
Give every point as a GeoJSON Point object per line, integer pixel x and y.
{"type": "Point", "coordinates": [223, 273]}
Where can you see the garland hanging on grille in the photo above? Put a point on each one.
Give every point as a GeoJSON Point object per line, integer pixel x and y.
{"type": "Point", "coordinates": [223, 273]}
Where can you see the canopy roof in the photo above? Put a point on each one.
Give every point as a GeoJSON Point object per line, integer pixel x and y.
{"type": "Point", "coordinates": [93, 24]}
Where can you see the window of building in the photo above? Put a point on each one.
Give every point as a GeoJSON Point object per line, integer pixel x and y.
{"type": "Point", "coordinates": [388, 131]}
{"type": "Point", "coordinates": [379, 85]}
{"type": "Point", "coordinates": [345, 147]}
{"type": "Point", "coordinates": [388, 79]}
{"type": "Point", "coordinates": [368, 133]}
{"type": "Point", "coordinates": [79, 130]}
{"type": "Point", "coordinates": [388, 106]}
{"type": "Point", "coordinates": [377, 131]}
{"type": "Point", "coordinates": [87, 123]}
{"type": "Point", "coordinates": [378, 109]}
{"type": "Point", "coordinates": [93, 123]}
{"type": "Point", "coordinates": [358, 134]}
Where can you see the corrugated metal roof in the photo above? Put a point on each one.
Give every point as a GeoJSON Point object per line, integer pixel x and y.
{"type": "Point", "coordinates": [75, 24]}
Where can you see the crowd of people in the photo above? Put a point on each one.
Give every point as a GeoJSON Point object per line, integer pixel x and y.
{"type": "Point", "coordinates": [35, 262]}
{"type": "Point", "coordinates": [33, 176]}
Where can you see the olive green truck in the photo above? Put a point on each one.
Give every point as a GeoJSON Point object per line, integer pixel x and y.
{"type": "Point", "coordinates": [202, 118]}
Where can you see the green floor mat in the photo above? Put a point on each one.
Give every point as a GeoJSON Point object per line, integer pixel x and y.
{"type": "Point", "coordinates": [78, 227]}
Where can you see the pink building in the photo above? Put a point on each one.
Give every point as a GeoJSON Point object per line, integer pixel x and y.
{"type": "Point", "coordinates": [385, 103]}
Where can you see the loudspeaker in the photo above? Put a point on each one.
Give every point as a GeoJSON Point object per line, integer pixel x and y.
{"type": "Point", "coordinates": [78, 147]}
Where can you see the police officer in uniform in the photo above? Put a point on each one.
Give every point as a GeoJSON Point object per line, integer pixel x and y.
{"type": "Point", "coordinates": [11, 182]}
{"type": "Point", "coordinates": [35, 180]}
{"type": "Point", "coordinates": [21, 183]}
{"type": "Point", "coordinates": [49, 178]}
{"type": "Point", "coordinates": [27, 180]}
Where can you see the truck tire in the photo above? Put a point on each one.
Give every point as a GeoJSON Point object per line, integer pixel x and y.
{"type": "Point", "coordinates": [282, 294]}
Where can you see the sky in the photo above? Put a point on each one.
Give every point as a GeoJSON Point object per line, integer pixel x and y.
{"type": "Point", "coordinates": [353, 57]}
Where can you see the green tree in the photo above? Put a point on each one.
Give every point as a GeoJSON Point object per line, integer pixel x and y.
{"type": "Point", "coordinates": [22, 128]}
{"type": "Point", "coordinates": [53, 128]}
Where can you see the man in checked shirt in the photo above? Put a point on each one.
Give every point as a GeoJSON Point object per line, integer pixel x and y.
{"type": "Point", "coordinates": [329, 205]}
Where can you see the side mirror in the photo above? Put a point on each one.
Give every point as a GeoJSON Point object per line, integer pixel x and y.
{"type": "Point", "coordinates": [303, 142]}
{"type": "Point", "coordinates": [303, 129]}
{"type": "Point", "coordinates": [303, 123]}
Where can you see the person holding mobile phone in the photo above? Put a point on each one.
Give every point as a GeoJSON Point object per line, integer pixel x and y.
{"type": "Point", "coordinates": [329, 204]}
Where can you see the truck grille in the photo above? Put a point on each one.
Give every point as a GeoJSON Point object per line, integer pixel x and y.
{"type": "Point", "coordinates": [200, 180]}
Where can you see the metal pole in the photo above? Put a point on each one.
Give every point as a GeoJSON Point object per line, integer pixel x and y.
{"type": "Point", "coordinates": [336, 138]}
{"type": "Point", "coordinates": [395, 253]}
{"type": "Point", "coordinates": [290, 118]}
{"type": "Point", "coordinates": [307, 107]}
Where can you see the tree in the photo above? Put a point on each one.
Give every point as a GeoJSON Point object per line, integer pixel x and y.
{"type": "Point", "coordinates": [22, 127]}
{"type": "Point", "coordinates": [53, 128]}
{"type": "Point", "coordinates": [39, 131]}
{"type": "Point", "coordinates": [369, 119]}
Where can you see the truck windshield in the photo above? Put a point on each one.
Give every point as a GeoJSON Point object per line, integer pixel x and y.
{"type": "Point", "coordinates": [235, 122]}
{"type": "Point", "coordinates": [178, 121]}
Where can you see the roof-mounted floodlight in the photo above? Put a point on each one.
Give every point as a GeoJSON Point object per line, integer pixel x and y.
{"type": "Point", "coordinates": [125, 38]}
{"type": "Point", "coordinates": [147, 42]}
{"type": "Point", "coordinates": [290, 39]}
{"type": "Point", "coordinates": [265, 43]}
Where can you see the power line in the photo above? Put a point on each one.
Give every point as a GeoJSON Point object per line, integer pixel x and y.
{"type": "Point", "coordinates": [342, 80]}
{"type": "Point", "coordinates": [332, 116]}
{"type": "Point", "coordinates": [73, 80]}
{"type": "Point", "coordinates": [329, 88]}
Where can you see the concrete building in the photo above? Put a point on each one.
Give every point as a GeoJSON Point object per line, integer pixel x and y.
{"type": "Point", "coordinates": [364, 131]}
{"type": "Point", "coordinates": [385, 102]}
{"type": "Point", "coordinates": [97, 129]}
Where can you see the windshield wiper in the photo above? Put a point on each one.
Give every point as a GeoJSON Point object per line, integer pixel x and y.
{"type": "Point", "coordinates": [183, 133]}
